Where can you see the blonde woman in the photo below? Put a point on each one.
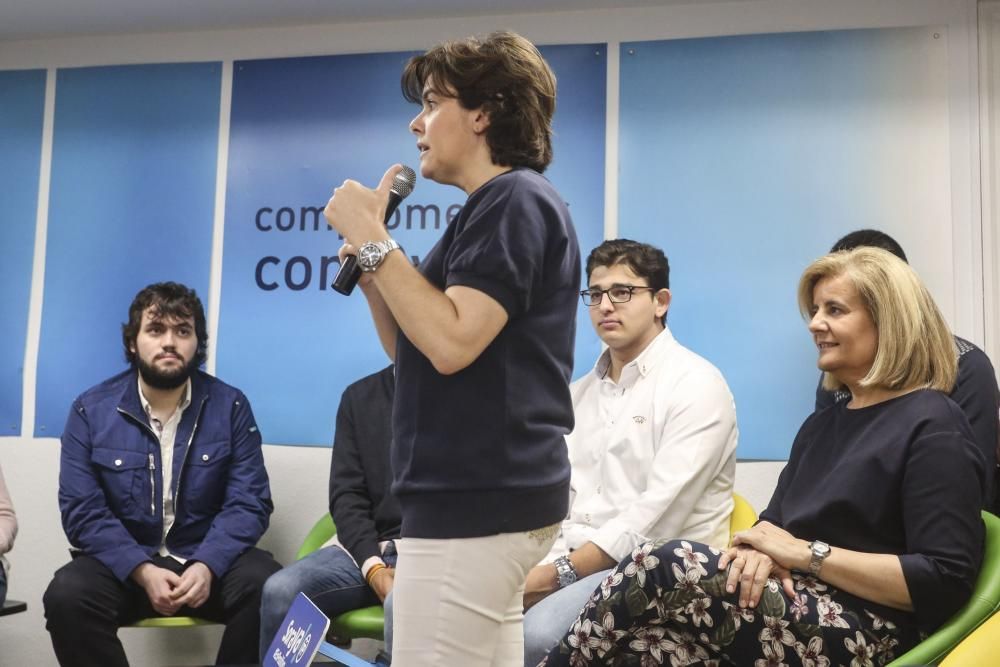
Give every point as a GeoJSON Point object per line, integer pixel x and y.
{"type": "Point", "coordinates": [873, 534]}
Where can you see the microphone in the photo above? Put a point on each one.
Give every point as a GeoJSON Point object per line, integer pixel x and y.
{"type": "Point", "coordinates": [349, 273]}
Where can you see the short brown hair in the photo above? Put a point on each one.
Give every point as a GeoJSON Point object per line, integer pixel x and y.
{"type": "Point", "coordinates": [506, 76]}
{"type": "Point", "coordinates": [915, 347]}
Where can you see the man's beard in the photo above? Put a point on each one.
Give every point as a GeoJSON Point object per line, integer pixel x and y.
{"type": "Point", "coordinates": [158, 379]}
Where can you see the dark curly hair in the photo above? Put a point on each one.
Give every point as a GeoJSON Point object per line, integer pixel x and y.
{"type": "Point", "coordinates": [506, 76]}
{"type": "Point", "coordinates": [170, 300]}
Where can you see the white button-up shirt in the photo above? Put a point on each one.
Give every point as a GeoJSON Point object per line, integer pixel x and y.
{"type": "Point", "coordinates": [166, 432]}
{"type": "Point", "coordinates": [653, 455]}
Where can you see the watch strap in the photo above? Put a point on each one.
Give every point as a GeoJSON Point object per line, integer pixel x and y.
{"type": "Point", "coordinates": [565, 572]}
{"type": "Point", "coordinates": [384, 247]}
{"type": "Point", "coordinates": [820, 550]}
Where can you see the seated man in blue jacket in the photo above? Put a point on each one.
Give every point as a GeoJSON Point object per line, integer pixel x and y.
{"type": "Point", "coordinates": [163, 495]}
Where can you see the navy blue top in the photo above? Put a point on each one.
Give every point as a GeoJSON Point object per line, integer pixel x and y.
{"type": "Point", "coordinates": [976, 392]}
{"type": "Point", "coordinates": [482, 451]}
{"type": "Point", "coordinates": [900, 477]}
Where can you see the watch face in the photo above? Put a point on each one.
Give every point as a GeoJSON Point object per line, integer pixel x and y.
{"type": "Point", "coordinates": [369, 256]}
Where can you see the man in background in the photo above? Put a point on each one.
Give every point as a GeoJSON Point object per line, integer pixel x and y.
{"type": "Point", "coordinates": [357, 567]}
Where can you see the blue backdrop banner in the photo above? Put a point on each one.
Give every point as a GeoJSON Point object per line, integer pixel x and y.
{"type": "Point", "coordinates": [747, 157]}
{"type": "Point", "coordinates": [22, 105]}
{"type": "Point", "coordinates": [133, 197]}
{"type": "Point", "coordinates": [299, 128]}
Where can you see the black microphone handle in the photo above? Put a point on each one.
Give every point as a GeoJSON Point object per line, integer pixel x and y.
{"type": "Point", "coordinates": [350, 273]}
{"type": "Point", "coordinates": [347, 276]}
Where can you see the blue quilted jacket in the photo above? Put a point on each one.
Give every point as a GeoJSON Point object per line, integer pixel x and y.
{"type": "Point", "coordinates": [110, 483]}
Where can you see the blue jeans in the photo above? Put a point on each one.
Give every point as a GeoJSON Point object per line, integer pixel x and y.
{"type": "Point", "coordinates": [329, 578]}
{"type": "Point", "coordinates": [3, 584]}
{"type": "Point", "coordinates": [547, 622]}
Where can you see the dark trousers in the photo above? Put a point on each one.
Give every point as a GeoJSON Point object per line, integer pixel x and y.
{"type": "Point", "coordinates": [85, 604]}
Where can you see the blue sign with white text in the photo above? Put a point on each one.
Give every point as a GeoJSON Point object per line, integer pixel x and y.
{"type": "Point", "coordinates": [299, 636]}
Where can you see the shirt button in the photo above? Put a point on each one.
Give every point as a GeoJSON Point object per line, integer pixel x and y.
{"type": "Point", "coordinates": [204, 457]}
{"type": "Point", "coordinates": [586, 517]}
{"type": "Point", "coordinates": [598, 490]}
{"type": "Point", "coordinates": [118, 462]}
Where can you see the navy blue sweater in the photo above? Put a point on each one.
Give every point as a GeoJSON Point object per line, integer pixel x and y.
{"type": "Point", "coordinates": [900, 477]}
{"type": "Point", "coordinates": [977, 394]}
{"type": "Point", "coordinates": [482, 451]}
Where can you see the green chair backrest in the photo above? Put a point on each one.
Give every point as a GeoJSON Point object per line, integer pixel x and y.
{"type": "Point", "coordinates": [322, 531]}
{"type": "Point", "coordinates": [368, 622]}
{"type": "Point", "coordinates": [984, 602]}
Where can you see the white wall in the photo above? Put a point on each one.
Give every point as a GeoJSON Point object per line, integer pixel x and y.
{"type": "Point", "coordinates": [299, 474]}
{"type": "Point", "coordinates": [989, 99]}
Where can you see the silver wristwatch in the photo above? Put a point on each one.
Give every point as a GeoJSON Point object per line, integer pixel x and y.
{"type": "Point", "coordinates": [820, 550]}
{"type": "Point", "coordinates": [371, 254]}
{"type": "Point", "coordinates": [565, 571]}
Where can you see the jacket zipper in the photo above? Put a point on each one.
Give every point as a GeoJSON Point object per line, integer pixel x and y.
{"type": "Point", "coordinates": [194, 429]}
{"type": "Point", "coordinates": [152, 485]}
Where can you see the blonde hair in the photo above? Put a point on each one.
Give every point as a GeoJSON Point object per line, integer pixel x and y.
{"type": "Point", "coordinates": [915, 347]}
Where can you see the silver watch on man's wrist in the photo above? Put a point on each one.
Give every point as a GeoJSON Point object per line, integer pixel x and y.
{"type": "Point", "coordinates": [565, 572]}
{"type": "Point", "coordinates": [371, 254]}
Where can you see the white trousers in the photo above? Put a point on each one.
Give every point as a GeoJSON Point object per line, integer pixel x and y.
{"type": "Point", "coordinates": [459, 602]}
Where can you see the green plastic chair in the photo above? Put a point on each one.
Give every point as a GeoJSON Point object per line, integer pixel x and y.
{"type": "Point", "coordinates": [171, 622]}
{"type": "Point", "coordinates": [367, 623]}
{"type": "Point", "coordinates": [985, 601]}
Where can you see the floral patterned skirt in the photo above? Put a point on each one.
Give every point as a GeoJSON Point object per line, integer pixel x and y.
{"type": "Point", "coordinates": [667, 604]}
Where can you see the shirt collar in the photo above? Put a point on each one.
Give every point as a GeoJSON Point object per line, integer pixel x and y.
{"type": "Point", "coordinates": [647, 359]}
{"type": "Point", "coordinates": [182, 405]}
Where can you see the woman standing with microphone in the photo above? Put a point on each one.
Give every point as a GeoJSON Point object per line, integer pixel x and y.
{"type": "Point", "coordinates": [482, 335]}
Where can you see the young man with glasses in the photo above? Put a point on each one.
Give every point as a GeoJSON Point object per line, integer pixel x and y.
{"type": "Point", "coordinates": [653, 454]}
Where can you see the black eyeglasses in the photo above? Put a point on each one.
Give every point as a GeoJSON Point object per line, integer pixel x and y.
{"type": "Point", "coordinates": [617, 294]}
